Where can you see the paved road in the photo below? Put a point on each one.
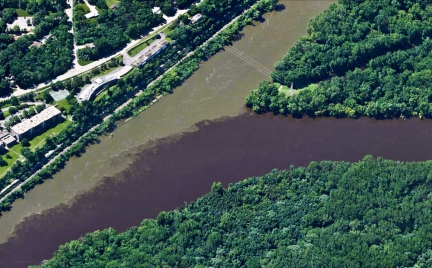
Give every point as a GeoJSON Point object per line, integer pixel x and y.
{"type": "Point", "coordinates": [78, 69]}
{"type": "Point", "coordinates": [109, 116]}
{"type": "Point", "coordinates": [128, 60]}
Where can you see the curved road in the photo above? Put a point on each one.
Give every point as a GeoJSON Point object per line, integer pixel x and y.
{"type": "Point", "coordinates": [78, 69]}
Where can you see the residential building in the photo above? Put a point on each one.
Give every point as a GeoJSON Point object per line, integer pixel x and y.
{"type": "Point", "coordinates": [43, 120]}
{"type": "Point", "coordinates": [152, 52]}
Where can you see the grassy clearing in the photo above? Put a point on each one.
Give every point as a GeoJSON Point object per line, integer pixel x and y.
{"type": "Point", "coordinates": [284, 89]}
{"type": "Point", "coordinates": [84, 62]}
{"type": "Point", "coordinates": [63, 103]}
{"type": "Point", "coordinates": [98, 97]}
{"type": "Point", "coordinates": [311, 87]}
{"type": "Point", "coordinates": [111, 2]}
{"type": "Point", "coordinates": [84, 7]}
{"type": "Point", "coordinates": [166, 31]}
{"type": "Point", "coordinates": [22, 13]}
{"type": "Point", "coordinates": [287, 90]}
{"type": "Point", "coordinates": [12, 157]}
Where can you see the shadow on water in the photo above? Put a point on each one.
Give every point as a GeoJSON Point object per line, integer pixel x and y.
{"type": "Point", "coordinates": [166, 172]}
{"type": "Point", "coordinates": [280, 7]}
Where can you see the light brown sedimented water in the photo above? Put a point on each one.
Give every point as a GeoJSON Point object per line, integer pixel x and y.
{"type": "Point", "coordinates": [166, 156]}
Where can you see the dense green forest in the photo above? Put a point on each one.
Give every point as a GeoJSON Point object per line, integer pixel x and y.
{"type": "Point", "coordinates": [374, 213]}
{"type": "Point", "coordinates": [113, 28]}
{"type": "Point", "coordinates": [370, 58]}
{"type": "Point", "coordinates": [32, 65]}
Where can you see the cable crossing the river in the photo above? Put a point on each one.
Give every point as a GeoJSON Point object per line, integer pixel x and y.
{"type": "Point", "coordinates": [250, 61]}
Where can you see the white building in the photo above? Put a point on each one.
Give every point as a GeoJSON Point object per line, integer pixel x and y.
{"type": "Point", "coordinates": [42, 120]}
{"type": "Point", "coordinates": [196, 18]}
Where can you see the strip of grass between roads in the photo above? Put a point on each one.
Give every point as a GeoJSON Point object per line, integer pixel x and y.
{"type": "Point", "coordinates": [142, 44]}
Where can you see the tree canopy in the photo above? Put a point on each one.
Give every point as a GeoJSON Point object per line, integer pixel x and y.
{"type": "Point", "coordinates": [368, 57]}
{"type": "Point", "coordinates": [373, 213]}
{"type": "Point", "coordinates": [113, 28]}
{"type": "Point", "coordinates": [26, 64]}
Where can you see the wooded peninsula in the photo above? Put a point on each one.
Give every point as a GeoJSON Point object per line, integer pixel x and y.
{"type": "Point", "coordinates": [361, 58]}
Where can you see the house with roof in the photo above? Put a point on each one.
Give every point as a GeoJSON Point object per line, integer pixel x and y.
{"type": "Point", "coordinates": [43, 120]}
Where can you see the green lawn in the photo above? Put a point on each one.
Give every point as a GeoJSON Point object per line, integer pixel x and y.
{"type": "Point", "coordinates": [84, 6]}
{"type": "Point", "coordinates": [104, 72]}
{"type": "Point", "coordinates": [84, 62]}
{"type": "Point", "coordinates": [63, 103]}
{"type": "Point", "coordinates": [34, 143]}
{"type": "Point", "coordinates": [311, 87]}
{"type": "Point", "coordinates": [166, 31]}
{"type": "Point", "coordinates": [140, 47]}
{"type": "Point", "coordinates": [9, 161]}
{"type": "Point", "coordinates": [22, 13]}
{"type": "Point", "coordinates": [111, 2]}
{"type": "Point", "coordinates": [284, 89]}
{"type": "Point", "coordinates": [103, 93]}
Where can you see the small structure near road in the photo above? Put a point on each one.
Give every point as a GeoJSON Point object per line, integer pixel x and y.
{"type": "Point", "coordinates": [196, 18]}
{"type": "Point", "coordinates": [156, 10]}
{"type": "Point", "coordinates": [42, 120]}
{"type": "Point", "coordinates": [6, 140]}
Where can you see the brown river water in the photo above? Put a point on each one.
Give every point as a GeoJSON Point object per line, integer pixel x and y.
{"type": "Point", "coordinates": [202, 133]}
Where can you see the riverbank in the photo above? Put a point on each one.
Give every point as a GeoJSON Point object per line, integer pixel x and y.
{"type": "Point", "coordinates": [183, 70]}
{"type": "Point", "coordinates": [216, 90]}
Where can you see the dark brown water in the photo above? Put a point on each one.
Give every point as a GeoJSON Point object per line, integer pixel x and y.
{"type": "Point", "coordinates": [181, 168]}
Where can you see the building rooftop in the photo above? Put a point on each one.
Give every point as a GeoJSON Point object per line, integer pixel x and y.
{"type": "Point", "coordinates": [3, 134]}
{"type": "Point", "coordinates": [196, 18]}
{"type": "Point", "coordinates": [36, 44]}
{"type": "Point", "coordinates": [8, 139]}
{"type": "Point", "coordinates": [92, 14]}
{"type": "Point", "coordinates": [153, 50]}
{"type": "Point", "coordinates": [36, 120]}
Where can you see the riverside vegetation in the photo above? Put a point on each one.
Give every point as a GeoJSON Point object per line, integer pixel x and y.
{"type": "Point", "coordinates": [373, 213]}
{"type": "Point", "coordinates": [88, 114]}
{"type": "Point", "coordinates": [371, 58]}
